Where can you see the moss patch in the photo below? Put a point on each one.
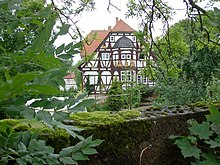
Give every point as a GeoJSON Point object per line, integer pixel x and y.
{"type": "Point", "coordinates": [120, 134]}
{"type": "Point", "coordinates": [103, 117]}
{"type": "Point", "coordinates": [11, 122]}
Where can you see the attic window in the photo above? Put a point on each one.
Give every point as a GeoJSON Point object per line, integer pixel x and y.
{"type": "Point", "coordinates": [125, 56]}
{"type": "Point", "coordinates": [112, 38]}
{"type": "Point", "coordinates": [134, 38]}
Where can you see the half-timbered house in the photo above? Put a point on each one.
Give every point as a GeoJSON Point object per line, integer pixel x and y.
{"type": "Point", "coordinates": [112, 54]}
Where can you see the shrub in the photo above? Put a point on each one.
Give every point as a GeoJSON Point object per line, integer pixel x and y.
{"type": "Point", "coordinates": [213, 90]}
{"type": "Point", "coordinates": [133, 97]}
{"type": "Point", "coordinates": [115, 99]}
{"type": "Point", "coordinates": [179, 92]}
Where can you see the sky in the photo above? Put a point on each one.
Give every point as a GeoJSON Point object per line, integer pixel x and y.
{"type": "Point", "coordinates": [101, 18]}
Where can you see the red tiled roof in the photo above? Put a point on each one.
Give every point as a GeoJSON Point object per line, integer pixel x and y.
{"type": "Point", "coordinates": [95, 37]}
{"type": "Point", "coordinates": [70, 76]}
{"type": "Point", "coordinates": [121, 26]}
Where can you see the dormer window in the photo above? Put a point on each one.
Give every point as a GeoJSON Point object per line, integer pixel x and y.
{"type": "Point", "coordinates": [123, 56]}
{"type": "Point", "coordinates": [105, 56]}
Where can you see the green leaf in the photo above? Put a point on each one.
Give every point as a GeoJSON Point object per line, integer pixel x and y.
{"type": "Point", "coordinates": [28, 113]}
{"type": "Point", "coordinates": [89, 151]}
{"type": "Point", "coordinates": [18, 82]}
{"type": "Point", "coordinates": [22, 147]}
{"type": "Point", "coordinates": [67, 47]}
{"type": "Point", "coordinates": [65, 56]}
{"type": "Point", "coordinates": [95, 143]}
{"type": "Point", "coordinates": [64, 29]}
{"type": "Point", "coordinates": [77, 45]}
{"type": "Point", "coordinates": [77, 147]}
{"type": "Point", "coordinates": [187, 149]}
{"type": "Point", "coordinates": [42, 89]}
{"type": "Point", "coordinates": [66, 151]}
{"type": "Point", "coordinates": [32, 145]}
{"type": "Point", "coordinates": [68, 160]}
{"type": "Point", "coordinates": [213, 143]}
{"type": "Point", "coordinates": [60, 116]}
{"type": "Point", "coordinates": [214, 115]}
{"type": "Point", "coordinates": [53, 159]}
{"type": "Point", "coordinates": [26, 137]}
{"type": "Point", "coordinates": [44, 116]}
{"type": "Point", "coordinates": [21, 161]}
{"type": "Point", "coordinates": [14, 140]}
{"type": "Point", "coordinates": [210, 159]}
{"type": "Point", "coordinates": [60, 49]}
{"type": "Point", "coordinates": [2, 141]}
{"type": "Point", "coordinates": [82, 105]}
{"type": "Point", "coordinates": [202, 130]}
{"type": "Point", "coordinates": [79, 156]}
{"type": "Point", "coordinates": [8, 131]}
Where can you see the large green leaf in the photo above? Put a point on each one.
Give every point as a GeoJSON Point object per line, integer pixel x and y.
{"type": "Point", "coordinates": [213, 143]}
{"type": "Point", "coordinates": [28, 113]}
{"type": "Point", "coordinates": [44, 116]}
{"type": "Point", "coordinates": [60, 116]}
{"type": "Point", "coordinates": [82, 105]}
{"type": "Point", "coordinates": [210, 159]}
{"type": "Point", "coordinates": [188, 149]}
{"type": "Point", "coordinates": [60, 49]}
{"type": "Point", "coordinates": [66, 151]}
{"type": "Point", "coordinates": [53, 159]}
{"type": "Point", "coordinates": [42, 89]}
{"type": "Point", "coordinates": [19, 81]}
{"type": "Point", "coordinates": [79, 156]}
{"type": "Point", "coordinates": [68, 160]}
{"type": "Point", "coordinates": [21, 146]}
{"type": "Point", "coordinates": [202, 130]}
{"type": "Point", "coordinates": [93, 143]}
{"type": "Point", "coordinates": [65, 56]}
{"type": "Point", "coordinates": [89, 151]}
{"type": "Point", "coordinates": [214, 115]}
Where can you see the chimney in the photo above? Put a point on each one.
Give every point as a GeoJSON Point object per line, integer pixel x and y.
{"type": "Point", "coordinates": [109, 27]}
{"type": "Point", "coordinates": [116, 20]}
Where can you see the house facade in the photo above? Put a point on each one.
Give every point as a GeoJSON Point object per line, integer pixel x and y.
{"type": "Point", "coordinates": [69, 82]}
{"type": "Point", "coordinates": [113, 54]}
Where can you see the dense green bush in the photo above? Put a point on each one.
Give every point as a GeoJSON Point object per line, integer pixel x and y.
{"type": "Point", "coordinates": [115, 99]}
{"type": "Point", "coordinates": [133, 97]}
{"type": "Point", "coordinates": [179, 92]}
{"type": "Point", "coordinates": [213, 90]}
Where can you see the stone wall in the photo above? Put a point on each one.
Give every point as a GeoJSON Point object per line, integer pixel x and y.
{"type": "Point", "coordinates": [143, 141]}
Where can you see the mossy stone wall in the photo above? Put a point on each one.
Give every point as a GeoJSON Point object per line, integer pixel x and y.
{"type": "Point", "coordinates": [126, 142]}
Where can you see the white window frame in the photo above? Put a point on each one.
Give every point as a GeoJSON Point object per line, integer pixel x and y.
{"type": "Point", "coordinates": [139, 79]}
{"type": "Point", "coordinates": [134, 38]}
{"type": "Point", "coordinates": [145, 80]}
{"type": "Point", "coordinates": [105, 56]}
{"type": "Point", "coordinates": [112, 38]}
{"type": "Point", "coordinates": [123, 56]}
{"type": "Point", "coordinates": [126, 76]}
